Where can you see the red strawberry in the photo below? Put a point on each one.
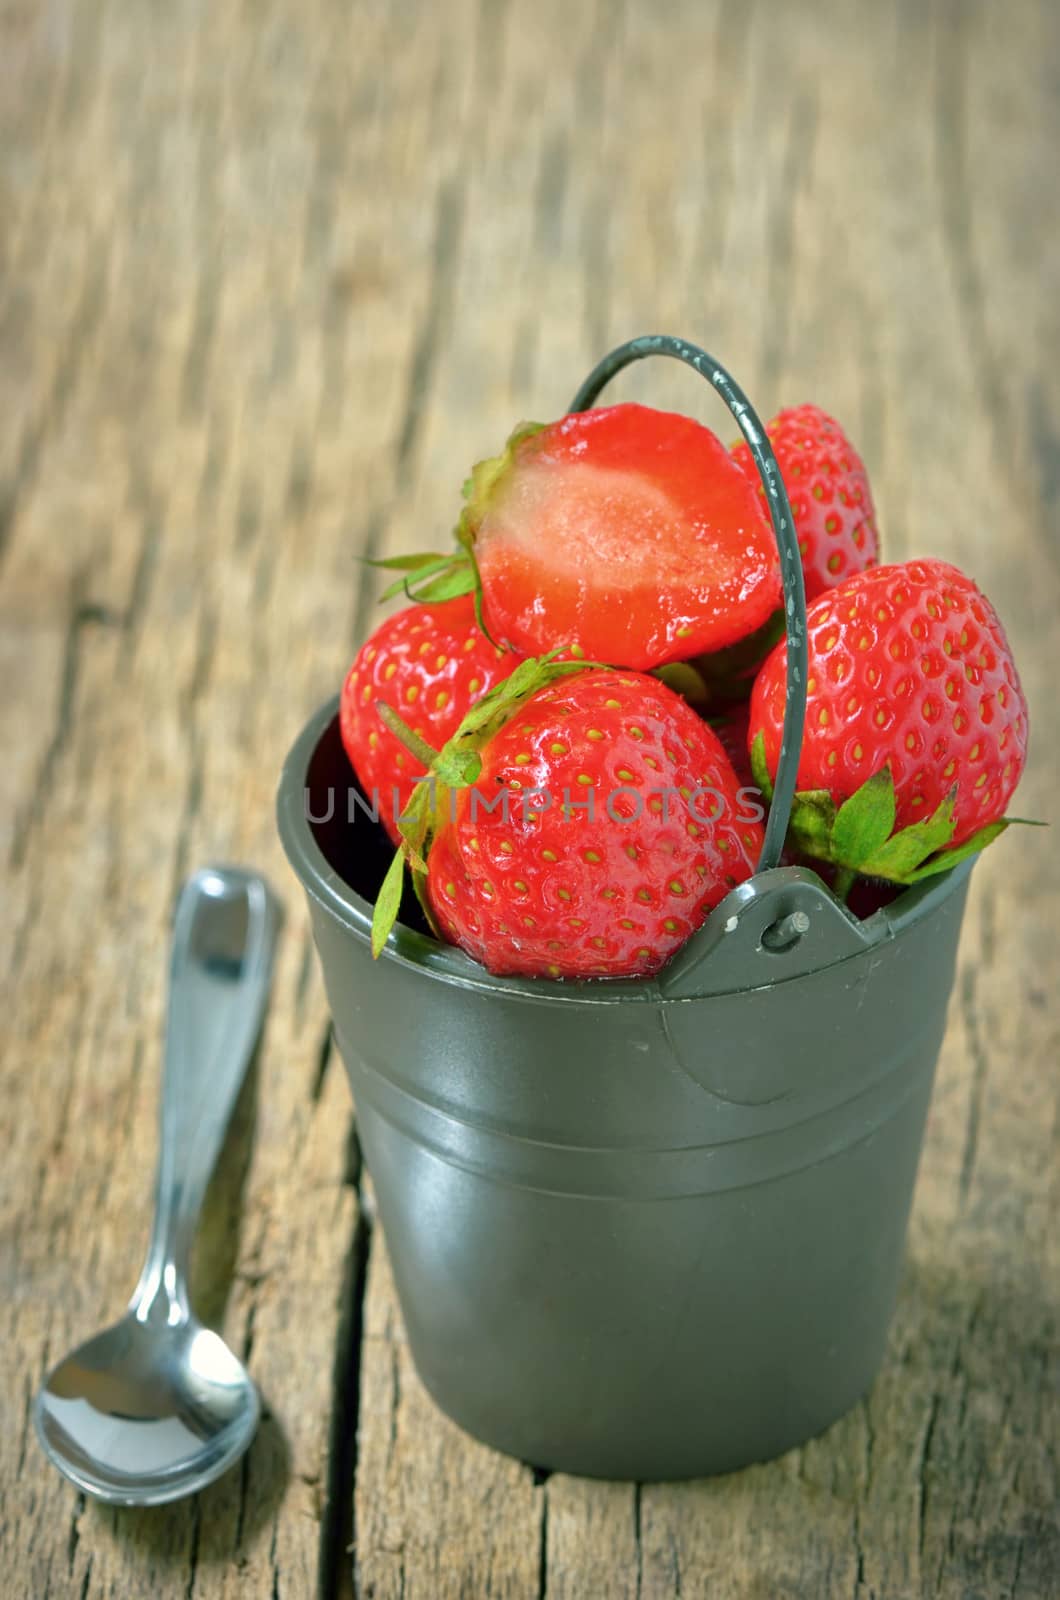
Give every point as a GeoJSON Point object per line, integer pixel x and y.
{"type": "Point", "coordinates": [626, 532]}
{"type": "Point", "coordinates": [911, 686]}
{"type": "Point", "coordinates": [829, 492]}
{"type": "Point", "coordinates": [430, 662]}
{"type": "Point", "coordinates": [588, 845]}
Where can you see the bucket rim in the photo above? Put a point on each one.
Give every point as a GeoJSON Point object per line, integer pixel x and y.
{"type": "Point", "coordinates": [448, 964]}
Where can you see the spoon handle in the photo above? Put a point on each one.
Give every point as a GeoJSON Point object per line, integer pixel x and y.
{"type": "Point", "coordinates": [224, 936]}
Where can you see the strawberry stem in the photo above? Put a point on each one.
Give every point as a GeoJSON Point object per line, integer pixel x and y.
{"type": "Point", "coordinates": [414, 742]}
{"type": "Point", "coordinates": [844, 882]}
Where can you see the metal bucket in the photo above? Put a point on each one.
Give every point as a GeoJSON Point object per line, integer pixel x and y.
{"type": "Point", "coordinates": [639, 1229]}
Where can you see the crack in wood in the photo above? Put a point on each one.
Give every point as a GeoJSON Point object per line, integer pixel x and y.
{"type": "Point", "coordinates": [274, 1566]}
{"type": "Point", "coordinates": [205, 646]}
{"type": "Point", "coordinates": [353, 1160]}
{"type": "Point", "coordinates": [305, 972]}
{"type": "Point", "coordinates": [214, 461]}
{"type": "Point", "coordinates": [299, 479]}
{"type": "Point", "coordinates": [189, 812]}
{"type": "Point", "coordinates": [145, 507]}
{"type": "Point", "coordinates": [29, 1392]}
{"type": "Point", "coordinates": [542, 1546]}
{"type": "Point", "coordinates": [74, 1534]}
{"type": "Point", "coordinates": [675, 1566]}
{"type": "Point", "coordinates": [36, 808]}
{"type": "Point", "coordinates": [920, 1471]}
{"type": "Point", "coordinates": [248, 514]}
{"type": "Point", "coordinates": [193, 1550]}
{"type": "Point", "coordinates": [338, 1529]}
{"type": "Point", "coordinates": [395, 1397]}
{"type": "Point", "coordinates": [859, 1569]}
{"type": "Point", "coordinates": [200, 346]}
{"type": "Point", "coordinates": [323, 1060]}
{"type": "Point", "coordinates": [638, 1543]}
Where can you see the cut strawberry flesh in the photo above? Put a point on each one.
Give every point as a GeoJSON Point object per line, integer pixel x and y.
{"type": "Point", "coordinates": [630, 533]}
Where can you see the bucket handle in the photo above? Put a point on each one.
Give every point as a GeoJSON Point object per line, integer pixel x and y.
{"type": "Point", "coordinates": [664, 344]}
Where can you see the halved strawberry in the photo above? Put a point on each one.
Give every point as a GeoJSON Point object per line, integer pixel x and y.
{"type": "Point", "coordinates": [627, 533]}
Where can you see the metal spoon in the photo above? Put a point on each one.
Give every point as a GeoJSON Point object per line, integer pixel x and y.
{"type": "Point", "coordinates": [157, 1406]}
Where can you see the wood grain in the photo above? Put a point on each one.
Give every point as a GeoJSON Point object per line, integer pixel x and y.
{"type": "Point", "coordinates": [271, 277]}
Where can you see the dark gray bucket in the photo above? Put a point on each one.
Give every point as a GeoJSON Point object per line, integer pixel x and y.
{"type": "Point", "coordinates": [639, 1229]}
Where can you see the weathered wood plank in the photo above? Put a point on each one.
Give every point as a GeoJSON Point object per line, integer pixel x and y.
{"type": "Point", "coordinates": [270, 280]}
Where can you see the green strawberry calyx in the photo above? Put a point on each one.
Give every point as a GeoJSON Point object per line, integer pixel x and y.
{"type": "Point", "coordinates": [728, 673]}
{"type": "Point", "coordinates": [433, 575]}
{"type": "Point", "coordinates": [456, 766]}
{"type": "Point", "coordinates": [714, 681]}
{"type": "Point", "coordinates": [858, 835]}
{"type": "Point", "coordinates": [684, 679]}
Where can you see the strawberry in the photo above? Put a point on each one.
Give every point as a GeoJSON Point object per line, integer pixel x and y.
{"type": "Point", "coordinates": [916, 724]}
{"type": "Point", "coordinates": [628, 532]}
{"type": "Point", "coordinates": [587, 821]}
{"type": "Point", "coordinates": [829, 492]}
{"type": "Point", "coordinates": [432, 661]}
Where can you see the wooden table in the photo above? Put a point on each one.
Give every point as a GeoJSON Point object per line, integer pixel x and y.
{"type": "Point", "coordinates": [273, 275]}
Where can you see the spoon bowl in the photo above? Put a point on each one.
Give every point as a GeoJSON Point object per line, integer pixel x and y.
{"type": "Point", "coordinates": [141, 1414]}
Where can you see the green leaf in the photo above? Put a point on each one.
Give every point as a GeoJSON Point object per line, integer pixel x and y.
{"type": "Point", "coordinates": [949, 858]}
{"type": "Point", "coordinates": [402, 585]}
{"type": "Point", "coordinates": [456, 766]}
{"type": "Point", "coordinates": [388, 903]}
{"type": "Point", "coordinates": [478, 491]}
{"type": "Point", "coordinates": [486, 474]}
{"type": "Point", "coordinates": [430, 578]}
{"type": "Point", "coordinates": [865, 821]}
{"type": "Point", "coordinates": [978, 841]}
{"type": "Point", "coordinates": [416, 823]}
{"type": "Point", "coordinates": [812, 819]}
{"type": "Point", "coordinates": [683, 679]}
{"type": "Point", "coordinates": [463, 533]}
{"type": "Point", "coordinates": [905, 851]}
{"type": "Point", "coordinates": [414, 563]}
{"type": "Point", "coordinates": [728, 673]}
{"type": "Point", "coordinates": [491, 710]}
{"type": "Point", "coordinates": [419, 883]}
{"type": "Point", "coordinates": [459, 579]}
{"type": "Point", "coordinates": [759, 769]}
